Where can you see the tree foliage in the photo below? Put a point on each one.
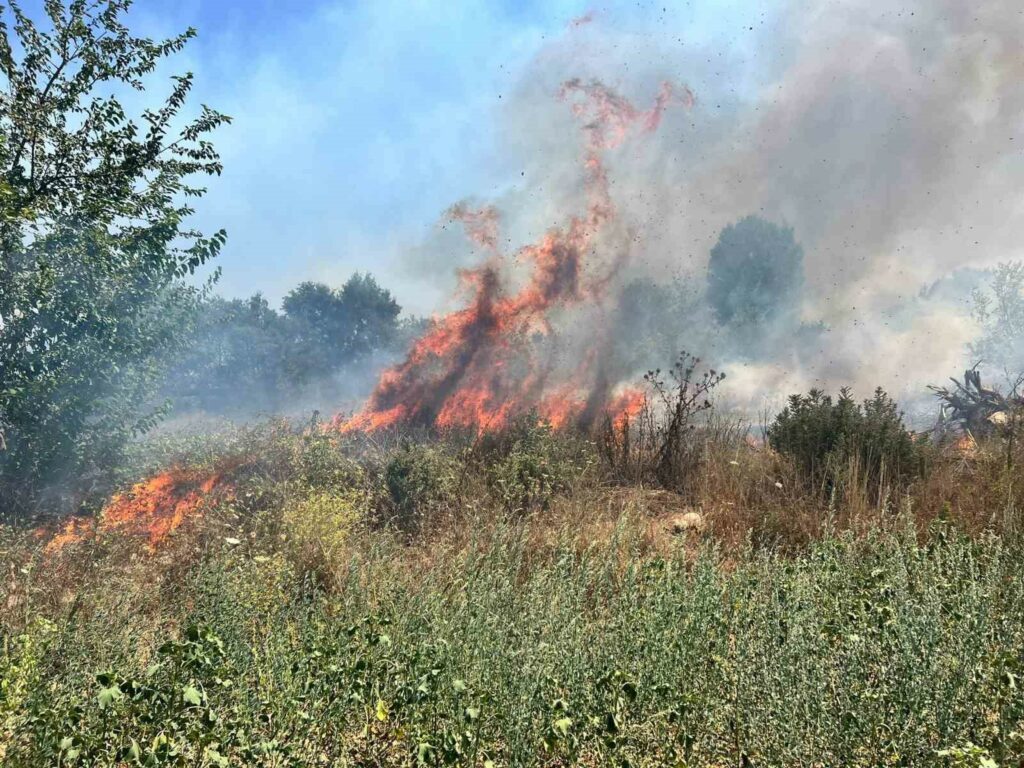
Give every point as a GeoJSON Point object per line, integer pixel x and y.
{"type": "Point", "coordinates": [330, 328]}
{"type": "Point", "coordinates": [247, 357]}
{"type": "Point", "coordinates": [235, 356]}
{"type": "Point", "coordinates": [1000, 313]}
{"type": "Point", "coordinates": [93, 238]}
{"type": "Point", "coordinates": [755, 275]}
{"type": "Point", "coordinates": [840, 441]}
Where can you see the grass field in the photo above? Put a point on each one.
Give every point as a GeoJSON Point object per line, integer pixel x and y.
{"type": "Point", "coordinates": [514, 602]}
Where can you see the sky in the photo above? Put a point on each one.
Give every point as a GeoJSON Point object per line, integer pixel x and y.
{"type": "Point", "coordinates": [886, 135]}
{"type": "Point", "coordinates": [356, 124]}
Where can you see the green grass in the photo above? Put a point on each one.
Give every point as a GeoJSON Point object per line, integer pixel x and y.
{"type": "Point", "coordinates": [870, 651]}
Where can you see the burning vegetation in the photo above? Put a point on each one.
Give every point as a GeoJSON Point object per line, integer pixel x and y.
{"type": "Point", "coordinates": [150, 510]}
{"type": "Point", "coordinates": [500, 356]}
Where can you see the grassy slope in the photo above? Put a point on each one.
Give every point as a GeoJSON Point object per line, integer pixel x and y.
{"type": "Point", "coordinates": [575, 632]}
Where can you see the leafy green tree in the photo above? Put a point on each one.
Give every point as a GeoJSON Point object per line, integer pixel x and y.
{"type": "Point", "coordinates": [235, 361]}
{"type": "Point", "coordinates": [245, 357]}
{"type": "Point", "coordinates": [755, 275]}
{"type": "Point", "coordinates": [93, 240]}
{"type": "Point", "coordinates": [330, 328]}
{"type": "Point", "coordinates": [370, 315]}
{"type": "Point", "coordinates": [1000, 313]}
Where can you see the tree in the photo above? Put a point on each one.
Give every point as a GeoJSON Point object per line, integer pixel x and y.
{"type": "Point", "coordinates": [331, 328]}
{"type": "Point", "coordinates": [370, 315]}
{"type": "Point", "coordinates": [755, 275]}
{"type": "Point", "coordinates": [235, 362]}
{"type": "Point", "coordinates": [245, 357]}
{"type": "Point", "coordinates": [93, 241]}
{"type": "Point", "coordinates": [1000, 313]}
{"type": "Point", "coordinates": [316, 331]}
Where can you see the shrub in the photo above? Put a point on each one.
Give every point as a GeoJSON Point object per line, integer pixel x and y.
{"type": "Point", "coordinates": [842, 443]}
{"type": "Point", "coordinates": [318, 461]}
{"type": "Point", "coordinates": [537, 466]}
{"type": "Point", "coordinates": [662, 443]}
{"type": "Point", "coordinates": [417, 479]}
{"type": "Point", "coordinates": [317, 528]}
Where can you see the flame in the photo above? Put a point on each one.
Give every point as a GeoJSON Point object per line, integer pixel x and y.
{"type": "Point", "coordinates": [625, 408]}
{"type": "Point", "coordinates": [152, 509]}
{"type": "Point", "coordinates": [482, 365]}
{"type": "Point", "coordinates": [966, 445]}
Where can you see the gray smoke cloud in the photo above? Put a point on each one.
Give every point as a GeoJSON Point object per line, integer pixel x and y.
{"type": "Point", "coordinates": [889, 140]}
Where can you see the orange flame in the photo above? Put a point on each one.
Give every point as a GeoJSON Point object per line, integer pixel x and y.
{"type": "Point", "coordinates": [152, 509]}
{"type": "Point", "coordinates": [966, 445]}
{"type": "Point", "coordinates": [625, 408]}
{"type": "Point", "coordinates": [480, 366]}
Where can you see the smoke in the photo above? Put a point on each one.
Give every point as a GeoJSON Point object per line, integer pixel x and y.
{"type": "Point", "coordinates": [502, 354]}
{"type": "Point", "coordinates": [889, 140]}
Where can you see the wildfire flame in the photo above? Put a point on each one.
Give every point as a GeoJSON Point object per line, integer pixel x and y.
{"type": "Point", "coordinates": [480, 366]}
{"type": "Point", "coordinates": [966, 445]}
{"type": "Point", "coordinates": [151, 510]}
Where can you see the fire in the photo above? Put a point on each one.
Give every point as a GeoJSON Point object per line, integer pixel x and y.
{"type": "Point", "coordinates": [152, 509]}
{"type": "Point", "coordinates": [966, 445]}
{"type": "Point", "coordinates": [625, 408]}
{"type": "Point", "coordinates": [496, 358]}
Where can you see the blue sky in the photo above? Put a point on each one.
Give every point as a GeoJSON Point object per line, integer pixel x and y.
{"type": "Point", "coordinates": [357, 123]}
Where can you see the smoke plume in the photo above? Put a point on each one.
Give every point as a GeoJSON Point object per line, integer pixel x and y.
{"type": "Point", "coordinates": [890, 141]}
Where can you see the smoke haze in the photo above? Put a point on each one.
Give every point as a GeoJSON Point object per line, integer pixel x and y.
{"type": "Point", "coordinates": [888, 140]}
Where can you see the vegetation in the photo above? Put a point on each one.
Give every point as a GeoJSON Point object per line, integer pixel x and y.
{"type": "Point", "coordinates": [840, 443]}
{"type": "Point", "coordinates": [299, 623]}
{"type": "Point", "coordinates": [93, 243]}
{"type": "Point", "coordinates": [664, 590]}
{"type": "Point", "coordinates": [755, 274]}
{"type": "Point", "coordinates": [245, 357]}
{"type": "Point", "coordinates": [1000, 312]}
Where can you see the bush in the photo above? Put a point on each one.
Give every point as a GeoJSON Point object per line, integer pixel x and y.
{"type": "Point", "coordinates": [537, 466]}
{"type": "Point", "coordinates": [841, 444]}
{"type": "Point", "coordinates": [661, 443]}
{"type": "Point", "coordinates": [417, 479]}
{"type": "Point", "coordinates": [317, 528]}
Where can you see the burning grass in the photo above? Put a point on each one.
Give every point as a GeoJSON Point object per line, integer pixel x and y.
{"type": "Point", "coordinates": [150, 510]}
{"type": "Point", "coordinates": [497, 358]}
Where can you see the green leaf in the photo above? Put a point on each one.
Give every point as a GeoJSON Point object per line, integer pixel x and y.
{"type": "Point", "coordinates": [107, 696]}
{"type": "Point", "coordinates": [192, 695]}
{"type": "Point", "coordinates": [212, 757]}
{"type": "Point", "coordinates": [423, 753]}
